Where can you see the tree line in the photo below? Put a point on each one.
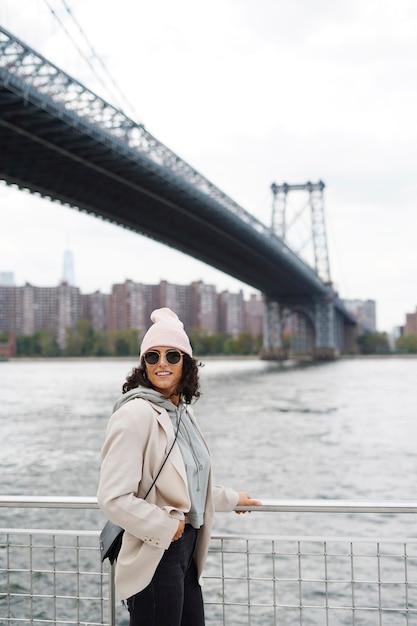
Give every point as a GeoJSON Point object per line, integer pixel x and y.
{"type": "Point", "coordinates": [82, 340]}
{"type": "Point", "coordinates": [377, 343]}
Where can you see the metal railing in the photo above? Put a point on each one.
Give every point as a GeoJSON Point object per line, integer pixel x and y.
{"type": "Point", "coordinates": [55, 576]}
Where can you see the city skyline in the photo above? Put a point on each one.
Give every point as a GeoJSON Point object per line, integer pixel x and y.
{"type": "Point", "coordinates": [59, 311]}
{"type": "Point", "coordinates": [7, 278]}
{"type": "Point", "coordinates": [363, 310]}
{"type": "Point", "coordinates": [67, 276]}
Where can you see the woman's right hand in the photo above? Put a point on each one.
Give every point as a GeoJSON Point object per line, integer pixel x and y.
{"type": "Point", "coordinates": [180, 530]}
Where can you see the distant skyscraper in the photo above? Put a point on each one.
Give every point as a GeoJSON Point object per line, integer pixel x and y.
{"type": "Point", "coordinates": [7, 279]}
{"type": "Point", "coordinates": [365, 313]}
{"type": "Point", "coordinates": [68, 275]}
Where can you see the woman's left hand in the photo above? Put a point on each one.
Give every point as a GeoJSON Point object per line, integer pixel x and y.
{"type": "Point", "coordinates": [246, 500]}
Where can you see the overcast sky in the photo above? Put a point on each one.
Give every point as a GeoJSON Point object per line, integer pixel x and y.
{"type": "Point", "coordinates": [249, 93]}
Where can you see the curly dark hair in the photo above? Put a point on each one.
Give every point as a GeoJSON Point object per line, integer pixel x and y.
{"type": "Point", "coordinates": [189, 385]}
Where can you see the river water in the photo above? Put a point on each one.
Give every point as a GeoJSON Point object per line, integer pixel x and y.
{"type": "Point", "coordinates": [341, 430]}
{"type": "Point", "coordinates": [344, 430]}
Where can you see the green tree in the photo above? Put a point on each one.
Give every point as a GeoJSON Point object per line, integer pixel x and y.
{"type": "Point", "coordinates": [201, 339]}
{"type": "Point", "coordinates": [126, 342]}
{"type": "Point", "coordinates": [207, 343]}
{"type": "Point", "coordinates": [373, 343]}
{"type": "Point", "coordinates": [259, 342]}
{"type": "Point", "coordinates": [79, 339]}
{"type": "Point", "coordinates": [244, 344]}
{"type": "Point", "coordinates": [218, 343]}
{"type": "Point", "coordinates": [47, 343]}
{"type": "Point", "coordinates": [41, 343]}
{"type": "Point", "coordinates": [229, 346]}
{"type": "Point", "coordinates": [102, 344]}
{"type": "Point", "coordinates": [407, 344]}
{"type": "Point", "coordinates": [25, 345]}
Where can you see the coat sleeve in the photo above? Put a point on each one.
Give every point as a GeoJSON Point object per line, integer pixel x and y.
{"type": "Point", "coordinates": [225, 498]}
{"type": "Point", "coordinates": [122, 460]}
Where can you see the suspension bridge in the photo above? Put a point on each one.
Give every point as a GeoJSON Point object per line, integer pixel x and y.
{"type": "Point", "coordinates": [62, 141]}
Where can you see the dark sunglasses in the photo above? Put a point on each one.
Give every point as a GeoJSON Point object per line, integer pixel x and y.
{"type": "Point", "coordinates": [172, 356]}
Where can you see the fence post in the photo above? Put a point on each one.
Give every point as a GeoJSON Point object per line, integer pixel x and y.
{"type": "Point", "coordinates": [112, 596]}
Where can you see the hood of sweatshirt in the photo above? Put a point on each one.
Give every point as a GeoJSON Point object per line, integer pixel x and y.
{"type": "Point", "coordinates": [146, 394]}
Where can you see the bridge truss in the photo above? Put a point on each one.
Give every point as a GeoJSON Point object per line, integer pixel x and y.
{"type": "Point", "coordinates": [52, 84]}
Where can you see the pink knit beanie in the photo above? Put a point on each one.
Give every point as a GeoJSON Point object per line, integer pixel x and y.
{"type": "Point", "coordinates": [167, 330]}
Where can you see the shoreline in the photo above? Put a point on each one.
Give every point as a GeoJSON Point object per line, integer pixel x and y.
{"type": "Point", "coordinates": [220, 357]}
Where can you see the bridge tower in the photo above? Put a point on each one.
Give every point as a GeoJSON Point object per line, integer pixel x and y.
{"type": "Point", "coordinates": [310, 324]}
{"type": "Point", "coordinates": [281, 226]}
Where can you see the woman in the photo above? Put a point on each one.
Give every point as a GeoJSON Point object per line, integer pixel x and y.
{"type": "Point", "coordinates": [167, 531]}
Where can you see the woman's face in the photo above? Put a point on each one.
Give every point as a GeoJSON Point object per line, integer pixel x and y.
{"type": "Point", "coordinates": [165, 376]}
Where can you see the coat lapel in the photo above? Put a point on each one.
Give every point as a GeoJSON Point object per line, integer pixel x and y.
{"type": "Point", "coordinates": [175, 456]}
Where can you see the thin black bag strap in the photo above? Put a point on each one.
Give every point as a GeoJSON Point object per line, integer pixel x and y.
{"type": "Point", "coordinates": [165, 459]}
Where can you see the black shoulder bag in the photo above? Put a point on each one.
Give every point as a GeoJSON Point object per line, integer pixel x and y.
{"type": "Point", "coordinates": [112, 534]}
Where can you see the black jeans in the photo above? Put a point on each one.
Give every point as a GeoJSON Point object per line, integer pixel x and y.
{"type": "Point", "coordinates": [173, 597]}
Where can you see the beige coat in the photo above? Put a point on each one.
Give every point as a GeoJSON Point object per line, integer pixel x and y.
{"type": "Point", "coordinates": [138, 436]}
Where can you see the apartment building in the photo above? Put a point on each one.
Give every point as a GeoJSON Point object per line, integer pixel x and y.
{"type": "Point", "coordinates": [410, 327]}
{"type": "Point", "coordinates": [205, 307]}
{"type": "Point", "coordinates": [129, 305]}
{"type": "Point", "coordinates": [254, 315]}
{"type": "Point", "coordinates": [365, 313]}
{"type": "Point", "coordinates": [179, 298]}
{"type": "Point", "coordinates": [231, 313]}
{"type": "Point", "coordinates": [95, 308]}
{"type": "Point", "coordinates": [25, 310]}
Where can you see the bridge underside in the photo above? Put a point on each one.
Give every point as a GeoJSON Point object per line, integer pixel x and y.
{"type": "Point", "coordinates": [310, 327]}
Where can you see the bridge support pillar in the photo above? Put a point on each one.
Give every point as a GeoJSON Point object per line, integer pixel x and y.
{"type": "Point", "coordinates": [326, 347]}
{"type": "Point", "coordinates": [272, 344]}
{"type": "Point", "coordinates": [325, 341]}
